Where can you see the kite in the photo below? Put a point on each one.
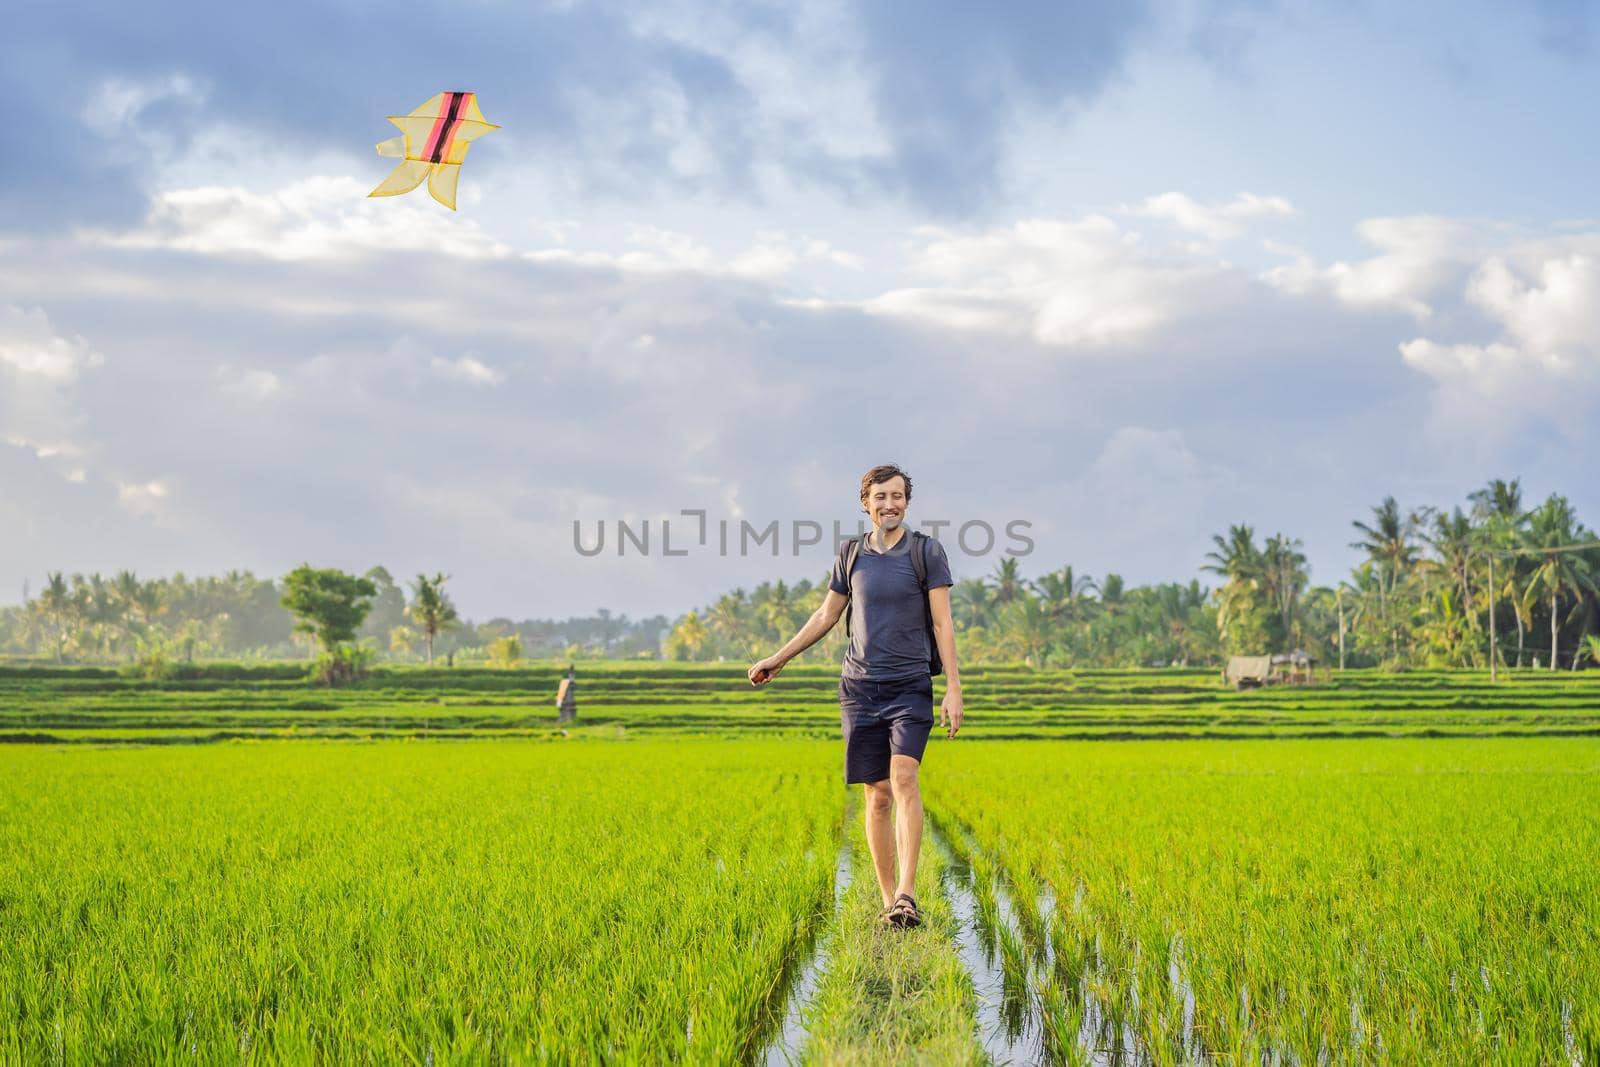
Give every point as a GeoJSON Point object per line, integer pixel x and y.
{"type": "Point", "coordinates": [437, 136]}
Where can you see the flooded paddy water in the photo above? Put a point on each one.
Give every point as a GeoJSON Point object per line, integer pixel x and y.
{"type": "Point", "coordinates": [788, 1041]}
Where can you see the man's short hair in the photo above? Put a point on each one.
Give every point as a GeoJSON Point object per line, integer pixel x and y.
{"type": "Point", "coordinates": [882, 473]}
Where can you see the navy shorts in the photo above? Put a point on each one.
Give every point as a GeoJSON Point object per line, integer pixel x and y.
{"type": "Point", "coordinates": [883, 719]}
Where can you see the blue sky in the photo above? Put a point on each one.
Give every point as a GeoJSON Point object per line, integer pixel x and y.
{"type": "Point", "coordinates": [1129, 273]}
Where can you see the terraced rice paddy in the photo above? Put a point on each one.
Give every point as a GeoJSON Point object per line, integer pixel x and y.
{"type": "Point", "coordinates": [1140, 864]}
{"type": "Point", "coordinates": [1002, 703]}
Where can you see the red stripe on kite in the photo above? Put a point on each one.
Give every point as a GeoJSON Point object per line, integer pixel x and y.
{"type": "Point", "coordinates": [455, 126]}
{"type": "Point", "coordinates": [447, 113]}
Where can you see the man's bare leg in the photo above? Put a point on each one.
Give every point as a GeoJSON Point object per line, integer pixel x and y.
{"type": "Point", "coordinates": [907, 821]}
{"type": "Point", "coordinates": [880, 835]}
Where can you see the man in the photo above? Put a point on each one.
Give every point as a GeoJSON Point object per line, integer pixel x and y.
{"type": "Point", "coordinates": [886, 684]}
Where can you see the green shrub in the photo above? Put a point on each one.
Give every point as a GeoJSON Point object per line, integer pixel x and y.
{"type": "Point", "coordinates": [341, 666]}
{"type": "Point", "coordinates": [153, 666]}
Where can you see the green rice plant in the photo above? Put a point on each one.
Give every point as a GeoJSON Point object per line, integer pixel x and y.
{"type": "Point", "coordinates": [985, 882]}
{"type": "Point", "coordinates": [1061, 1017]}
{"type": "Point", "coordinates": [1014, 963]}
{"type": "Point", "coordinates": [404, 901]}
{"type": "Point", "coordinates": [1373, 899]}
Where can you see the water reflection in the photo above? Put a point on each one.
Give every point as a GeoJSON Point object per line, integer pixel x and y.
{"type": "Point", "coordinates": [1010, 1026]}
{"type": "Point", "coordinates": [785, 1045]}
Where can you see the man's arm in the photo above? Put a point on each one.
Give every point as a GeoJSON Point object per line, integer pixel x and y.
{"type": "Point", "coordinates": [951, 710]}
{"type": "Point", "coordinates": [822, 620]}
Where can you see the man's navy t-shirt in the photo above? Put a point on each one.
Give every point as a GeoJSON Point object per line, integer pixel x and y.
{"type": "Point", "coordinates": [888, 632]}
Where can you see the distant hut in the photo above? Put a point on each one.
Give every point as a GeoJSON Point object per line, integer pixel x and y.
{"type": "Point", "coordinates": [1248, 672]}
{"type": "Point", "coordinates": [567, 696]}
{"type": "Point", "coordinates": [1284, 668]}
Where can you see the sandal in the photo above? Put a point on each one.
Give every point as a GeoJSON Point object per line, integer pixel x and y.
{"type": "Point", "coordinates": [904, 912]}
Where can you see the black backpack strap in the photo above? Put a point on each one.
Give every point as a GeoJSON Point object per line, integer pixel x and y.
{"type": "Point", "coordinates": [919, 563]}
{"type": "Point", "coordinates": [847, 563]}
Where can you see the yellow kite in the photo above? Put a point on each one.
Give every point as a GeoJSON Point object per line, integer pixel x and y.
{"type": "Point", "coordinates": [437, 136]}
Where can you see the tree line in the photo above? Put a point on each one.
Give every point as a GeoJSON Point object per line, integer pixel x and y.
{"type": "Point", "coordinates": [1435, 588]}
{"type": "Point", "coordinates": [93, 619]}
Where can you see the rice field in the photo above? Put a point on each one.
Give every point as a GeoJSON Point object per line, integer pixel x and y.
{"type": "Point", "coordinates": [1141, 866]}
{"type": "Point", "coordinates": [400, 902]}
{"type": "Point", "coordinates": [227, 702]}
{"type": "Point", "coordinates": [1291, 900]}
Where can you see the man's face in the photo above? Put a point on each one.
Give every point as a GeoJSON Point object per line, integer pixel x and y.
{"type": "Point", "coordinates": [886, 503]}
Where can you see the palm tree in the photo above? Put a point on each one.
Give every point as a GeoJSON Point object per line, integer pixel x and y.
{"type": "Point", "coordinates": [688, 638]}
{"type": "Point", "coordinates": [402, 639]}
{"type": "Point", "coordinates": [1008, 584]}
{"type": "Point", "coordinates": [974, 598]}
{"type": "Point", "coordinates": [1237, 560]}
{"type": "Point", "coordinates": [728, 621]}
{"type": "Point", "coordinates": [1061, 590]}
{"type": "Point", "coordinates": [136, 603]}
{"type": "Point", "coordinates": [1283, 567]}
{"type": "Point", "coordinates": [1552, 528]}
{"type": "Point", "coordinates": [1059, 587]}
{"type": "Point", "coordinates": [1177, 605]}
{"type": "Point", "coordinates": [1522, 603]}
{"type": "Point", "coordinates": [1112, 591]}
{"type": "Point", "coordinates": [1499, 499]}
{"type": "Point", "coordinates": [100, 616]}
{"type": "Point", "coordinates": [1387, 542]}
{"type": "Point", "coordinates": [1363, 592]}
{"type": "Point", "coordinates": [1498, 506]}
{"type": "Point", "coordinates": [55, 603]}
{"type": "Point", "coordinates": [1591, 643]}
{"type": "Point", "coordinates": [431, 609]}
{"type": "Point", "coordinates": [1447, 632]}
{"type": "Point", "coordinates": [1455, 543]}
{"type": "Point", "coordinates": [774, 607]}
{"type": "Point", "coordinates": [1025, 629]}
{"type": "Point", "coordinates": [1235, 557]}
{"type": "Point", "coordinates": [1454, 540]}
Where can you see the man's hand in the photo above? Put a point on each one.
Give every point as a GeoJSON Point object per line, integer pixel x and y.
{"type": "Point", "coordinates": [950, 710]}
{"type": "Point", "coordinates": [763, 671]}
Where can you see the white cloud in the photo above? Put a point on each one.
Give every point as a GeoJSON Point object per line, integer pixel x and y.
{"type": "Point", "coordinates": [1058, 282]}
{"type": "Point", "coordinates": [406, 367]}
{"type": "Point", "coordinates": [116, 103]}
{"type": "Point", "coordinates": [467, 369]}
{"type": "Point", "coordinates": [145, 498]}
{"type": "Point", "coordinates": [1514, 317]}
{"type": "Point", "coordinates": [1492, 371]}
{"type": "Point", "coordinates": [654, 250]}
{"type": "Point", "coordinates": [1421, 259]}
{"type": "Point", "coordinates": [1216, 371]}
{"type": "Point", "coordinates": [313, 218]}
{"type": "Point", "coordinates": [1545, 361]}
{"type": "Point", "coordinates": [38, 370]}
{"type": "Point", "coordinates": [32, 349]}
{"type": "Point", "coordinates": [1217, 222]}
{"type": "Point", "coordinates": [1560, 313]}
{"type": "Point", "coordinates": [1527, 346]}
{"type": "Point", "coordinates": [255, 385]}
